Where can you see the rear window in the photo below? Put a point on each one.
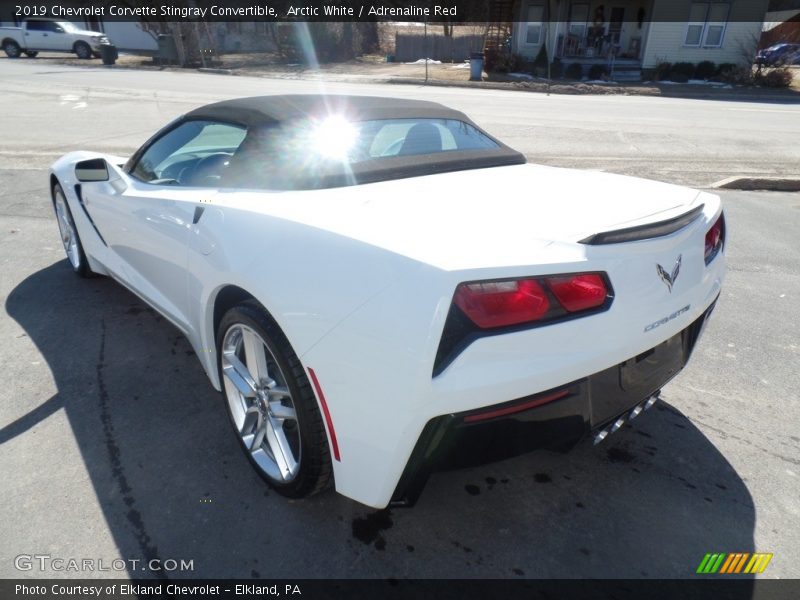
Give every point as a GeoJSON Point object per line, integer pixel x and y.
{"type": "Point", "coordinates": [291, 155]}
{"type": "Point", "coordinates": [408, 137]}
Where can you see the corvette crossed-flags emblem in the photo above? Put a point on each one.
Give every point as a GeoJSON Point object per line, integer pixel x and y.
{"type": "Point", "coordinates": [667, 278]}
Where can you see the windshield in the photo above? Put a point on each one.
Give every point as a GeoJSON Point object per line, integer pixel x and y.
{"type": "Point", "coordinates": [279, 156]}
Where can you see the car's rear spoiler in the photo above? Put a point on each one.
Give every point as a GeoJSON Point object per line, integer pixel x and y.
{"type": "Point", "coordinates": [644, 232]}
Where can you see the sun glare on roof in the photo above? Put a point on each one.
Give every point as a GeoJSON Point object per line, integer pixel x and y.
{"type": "Point", "coordinates": [334, 137]}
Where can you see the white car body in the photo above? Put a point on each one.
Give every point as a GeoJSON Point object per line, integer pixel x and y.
{"type": "Point", "coordinates": [62, 36]}
{"type": "Point", "coordinates": [361, 279]}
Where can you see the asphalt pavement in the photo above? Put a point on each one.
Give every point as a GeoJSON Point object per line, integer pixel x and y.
{"type": "Point", "coordinates": [113, 445]}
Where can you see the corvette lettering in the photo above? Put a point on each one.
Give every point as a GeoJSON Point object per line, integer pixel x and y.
{"type": "Point", "coordinates": [674, 315]}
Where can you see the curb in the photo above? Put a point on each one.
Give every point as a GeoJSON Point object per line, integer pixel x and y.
{"type": "Point", "coordinates": [216, 71]}
{"type": "Point", "coordinates": [555, 88]}
{"type": "Point", "coordinates": [567, 89]}
{"type": "Point", "coordinates": [769, 184]}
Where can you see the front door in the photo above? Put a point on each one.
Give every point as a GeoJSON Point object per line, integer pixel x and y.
{"type": "Point", "coordinates": [146, 229]}
{"type": "Point", "coordinates": [615, 23]}
{"type": "Point", "coordinates": [146, 215]}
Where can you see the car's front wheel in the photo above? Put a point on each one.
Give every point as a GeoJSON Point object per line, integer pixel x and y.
{"type": "Point", "coordinates": [69, 234]}
{"type": "Point", "coordinates": [271, 404]}
{"type": "Point", "coordinates": [12, 49]}
{"type": "Point", "coordinates": [83, 50]}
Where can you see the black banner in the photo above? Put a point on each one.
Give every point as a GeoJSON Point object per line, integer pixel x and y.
{"type": "Point", "coordinates": [714, 587]}
{"type": "Point", "coordinates": [433, 11]}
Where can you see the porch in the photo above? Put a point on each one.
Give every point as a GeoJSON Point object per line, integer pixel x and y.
{"type": "Point", "coordinates": [612, 33]}
{"type": "Point", "coordinates": [619, 69]}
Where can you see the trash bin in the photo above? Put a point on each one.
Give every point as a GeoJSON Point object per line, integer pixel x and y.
{"type": "Point", "coordinates": [167, 50]}
{"type": "Point", "coordinates": [109, 54]}
{"type": "Point", "coordinates": [475, 66]}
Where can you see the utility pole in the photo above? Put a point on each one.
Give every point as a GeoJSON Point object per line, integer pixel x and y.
{"type": "Point", "coordinates": [426, 50]}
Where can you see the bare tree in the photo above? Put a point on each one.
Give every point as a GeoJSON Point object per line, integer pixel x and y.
{"type": "Point", "coordinates": [186, 35]}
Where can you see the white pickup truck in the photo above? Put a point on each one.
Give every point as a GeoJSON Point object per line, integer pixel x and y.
{"type": "Point", "coordinates": [51, 35]}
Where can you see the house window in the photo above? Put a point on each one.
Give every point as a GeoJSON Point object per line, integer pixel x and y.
{"type": "Point", "coordinates": [533, 27]}
{"type": "Point", "coordinates": [707, 21]}
{"type": "Point", "coordinates": [578, 17]}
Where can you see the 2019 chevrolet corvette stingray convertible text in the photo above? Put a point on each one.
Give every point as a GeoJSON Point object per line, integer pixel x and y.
{"type": "Point", "coordinates": [379, 288]}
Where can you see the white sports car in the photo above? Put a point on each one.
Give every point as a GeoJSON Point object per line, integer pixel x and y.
{"type": "Point", "coordinates": [379, 288]}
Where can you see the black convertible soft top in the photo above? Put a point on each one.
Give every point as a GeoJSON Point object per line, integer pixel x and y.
{"type": "Point", "coordinates": [265, 110]}
{"type": "Point", "coordinates": [261, 112]}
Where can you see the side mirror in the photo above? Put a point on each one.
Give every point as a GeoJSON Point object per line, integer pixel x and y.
{"type": "Point", "coordinates": [94, 169]}
{"type": "Point", "coordinates": [58, 29]}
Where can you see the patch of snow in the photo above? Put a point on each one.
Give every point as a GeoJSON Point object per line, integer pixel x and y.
{"type": "Point", "coordinates": [464, 65]}
{"type": "Point", "coordinates": [704, 82]}
{"type": "Point", "coordinates": [422, 61]}
{"type": "Point", "coordinates": [719, 84]}
{"type": "Point", "coordinates": [521, 76]}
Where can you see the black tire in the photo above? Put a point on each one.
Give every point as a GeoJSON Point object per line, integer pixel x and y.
{"type": "Point", "coordinates": [31, 53]}
{"type": "Point", "coordinates": [82, 50]}
{"type": "Point", "coordinates": [315, 471]}
{"type": "Point", "coordinates": [78, 261]}
{"type": "Point", "coordinates": [12, 49]}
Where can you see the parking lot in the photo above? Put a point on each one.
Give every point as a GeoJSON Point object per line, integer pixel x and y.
{"type": "Point", "coordinates": [113, 445]}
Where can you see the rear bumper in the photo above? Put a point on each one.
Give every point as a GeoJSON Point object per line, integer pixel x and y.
{"type": "Point", "coordinates": [557, 418]}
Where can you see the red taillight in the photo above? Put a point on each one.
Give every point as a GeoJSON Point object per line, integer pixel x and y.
{"type": "Point", "coordinates": [491, 304]}
{"type": "Point", "coordinates": [715, 238]}
{"type": "Point", "coordinates": [500, 303]}
{"type": "Point", "coordinates": [579, 292]}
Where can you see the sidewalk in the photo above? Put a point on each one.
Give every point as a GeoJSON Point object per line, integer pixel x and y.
{"type": "Point", "coordinates": [374, 69]}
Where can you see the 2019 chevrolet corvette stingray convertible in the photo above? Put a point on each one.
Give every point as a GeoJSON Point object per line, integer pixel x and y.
{"type": "Point", "coordinates": [379, 288]}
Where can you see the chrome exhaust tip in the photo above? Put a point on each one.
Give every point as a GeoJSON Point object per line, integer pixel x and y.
{"type": "Point", "coordinates": [634, 412]}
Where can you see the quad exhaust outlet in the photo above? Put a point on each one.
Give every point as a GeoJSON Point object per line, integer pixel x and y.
{"type": "Point", "coordinates": [631, 414]}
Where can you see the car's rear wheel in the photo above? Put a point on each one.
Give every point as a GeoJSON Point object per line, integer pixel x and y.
{"type": "Point", "coordinates": [31, 53]}
{"type": "Point", "coordinates": [12, 49]}
{"type": "Point", "coordinates": [69, 234]}
{"type": "Point", "coordinates": [271, 404]}
{"type": "Point", "coordinates": [83, 50]}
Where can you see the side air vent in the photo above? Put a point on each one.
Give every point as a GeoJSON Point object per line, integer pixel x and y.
{"type": "Point", "coordinates": [644, 232]}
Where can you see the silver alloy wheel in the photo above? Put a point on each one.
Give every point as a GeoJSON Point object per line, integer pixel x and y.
{"type": "Point", "coordinates": [260, 403]}
{"type": "Point", "coordinates": [67, 228]}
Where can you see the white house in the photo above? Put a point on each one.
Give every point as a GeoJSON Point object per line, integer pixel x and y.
{"type": "Point", "coordinates": [638, 33]}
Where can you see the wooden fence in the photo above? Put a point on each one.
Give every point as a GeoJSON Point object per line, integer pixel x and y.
{"type": "Point", "coordinates": [412, 46]}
